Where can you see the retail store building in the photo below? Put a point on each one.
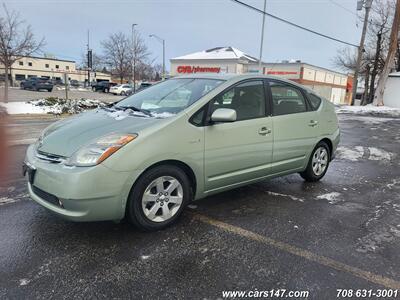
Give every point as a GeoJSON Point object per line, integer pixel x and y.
{"type": "Point", "coordinates": [51, 68]}
{"type": "Point", "coordinates": [334, 86]}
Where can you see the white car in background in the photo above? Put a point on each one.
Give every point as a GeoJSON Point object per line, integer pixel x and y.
{"type": "Point", "coordinates": [121, 89]}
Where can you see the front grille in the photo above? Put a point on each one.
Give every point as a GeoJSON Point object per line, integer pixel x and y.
{"type": "Point", "coordinates": [46, 196]}
{"type": "Point", "coordinates": [51, 158]}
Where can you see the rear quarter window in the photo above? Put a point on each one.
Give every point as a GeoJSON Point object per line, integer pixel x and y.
{"type": "Point", "coordinates": [315, 101]}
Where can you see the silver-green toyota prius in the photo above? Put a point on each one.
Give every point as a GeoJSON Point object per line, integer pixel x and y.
{"type": "Point", "coordinates": [146, 157]}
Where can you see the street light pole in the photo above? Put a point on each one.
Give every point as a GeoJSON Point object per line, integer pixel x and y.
{"type": "Point", "coordinates": [368, 4]}
{"type": "Point", "coordinates": [262, 38]}
{"type": "Point", "coordinates": [134, 57]}
{"type": "Point", "coordinates": [163, 45]}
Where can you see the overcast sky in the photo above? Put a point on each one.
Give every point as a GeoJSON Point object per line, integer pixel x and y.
{"type": "Point", "coordinates": [193, 25]}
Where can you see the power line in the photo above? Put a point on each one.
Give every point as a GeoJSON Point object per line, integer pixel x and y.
{"type": "Point", "coordinates": [343, 7]}
{"type": "Point", "coordinates": [294, 24]}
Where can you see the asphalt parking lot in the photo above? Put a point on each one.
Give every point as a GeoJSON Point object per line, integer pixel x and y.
{"type": "Point", "coordinates": [18, 95]}
{"type": "Point", "coordinates": [340, 233]}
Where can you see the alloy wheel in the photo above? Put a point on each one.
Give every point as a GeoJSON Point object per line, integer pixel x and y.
{"type": "Point", "coordinates": [320, 161]}
{"type": "Point", "coordinates": [162, 199]}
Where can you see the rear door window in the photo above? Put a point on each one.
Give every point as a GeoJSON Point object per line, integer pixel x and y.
{"type": "Point", "coordinates": [286, 99]}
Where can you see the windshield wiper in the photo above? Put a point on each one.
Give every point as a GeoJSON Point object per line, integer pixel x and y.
{"type": "Point", "coordinates": [145, 111]}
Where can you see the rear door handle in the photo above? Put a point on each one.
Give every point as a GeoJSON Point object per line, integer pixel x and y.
{"type": "Point", "coordinates": [313, 123]}
{"type": "Point", "coordinates": [264, 131]}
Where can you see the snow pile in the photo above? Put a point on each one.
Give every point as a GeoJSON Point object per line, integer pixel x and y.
{"type": "Point", "coordinates": [16, 108]}
{"type": "Point", "coordinates": [52, 105]}
{"type": "Point", "coordinates": [369, 110]}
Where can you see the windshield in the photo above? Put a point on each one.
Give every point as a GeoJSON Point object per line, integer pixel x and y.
{"type": "Point", "coordinates": [170, 96]}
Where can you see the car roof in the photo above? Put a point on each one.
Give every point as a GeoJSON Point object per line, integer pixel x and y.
{"type": "Point", "coordinates": [237, 77]}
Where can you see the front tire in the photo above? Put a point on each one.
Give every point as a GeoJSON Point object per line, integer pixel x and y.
{"type": "Point", "coordinates": [318, 163]}
{"type": "Point", "coordinates": [158, 198]}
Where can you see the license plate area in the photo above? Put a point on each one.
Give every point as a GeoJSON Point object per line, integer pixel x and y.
{"type": "Point", "coordinates": [29, 171]}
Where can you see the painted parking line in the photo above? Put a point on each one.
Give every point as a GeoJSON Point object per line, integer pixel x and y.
{"type": "Point", "coordinates": [322, 260]}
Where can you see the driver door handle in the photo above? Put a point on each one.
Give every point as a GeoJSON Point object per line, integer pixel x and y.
{"type": "Point", "coordinates": [264, 131]}
{"type": "Point", "coordinates": [313, 123]}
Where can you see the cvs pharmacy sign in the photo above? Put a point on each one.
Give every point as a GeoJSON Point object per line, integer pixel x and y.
{"type": "Point", "coordinates": [198, 69]}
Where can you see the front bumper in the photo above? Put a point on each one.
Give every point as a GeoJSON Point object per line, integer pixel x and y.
{"type": "Point", "coordinates": [80, 193]}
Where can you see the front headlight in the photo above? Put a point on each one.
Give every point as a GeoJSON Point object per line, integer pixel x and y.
{"type": "Point", "coordinates": [99, 150]}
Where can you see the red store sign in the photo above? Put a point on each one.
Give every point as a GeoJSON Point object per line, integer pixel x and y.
{"type": "Point", "coordinates": [192, 69]}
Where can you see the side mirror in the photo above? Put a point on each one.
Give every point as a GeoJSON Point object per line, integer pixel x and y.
{"type": "Point", "coordinates": [224, 115]}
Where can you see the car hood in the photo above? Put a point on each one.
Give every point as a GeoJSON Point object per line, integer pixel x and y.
{"type": "Point", "coordinates": [65, 137]}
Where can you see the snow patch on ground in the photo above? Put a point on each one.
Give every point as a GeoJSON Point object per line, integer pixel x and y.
{"type": "Point", "coordinates": [24, 281]}
{"type": "Point", "coordinates": [395, 183]}
{"type": "Point", "coordinates": [51, 105]}
{"type": "Point", "coordinates": [369, 110]}
{"type": "Point", "coordinates": [349, 154]}
{"type": "Point", "coordinates": [284, 195]}
{"type": "Point", "coordinates": [331, 197]}
{"type": "Point", "coordinates": [379, 154]}
{"type": "Point", "coordinates": [16, 108]}
{"type": "Point", "coordinates": [358, 152]}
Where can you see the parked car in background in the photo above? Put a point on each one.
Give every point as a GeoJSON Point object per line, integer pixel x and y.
{"type": "Point", "coordinates": [36, 84]}
{"type": "Point", "coordinates": [74, 83]}
{"type": "Point", "coordinates": [102, 86]}
{"type": "Point", "coordinates": [56, 81]}
{"type": "Point", "coordinates": [121, 89]}
{"type": "Point", "coordinates": [227, 131]}
{"type": "Point", "coordinates": [144, 85]}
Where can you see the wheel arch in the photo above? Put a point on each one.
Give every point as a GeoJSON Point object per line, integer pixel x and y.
{"type": "Point", "coordinates": [330, 145]}
{"type": "Point", "coordinates": [180, 164]}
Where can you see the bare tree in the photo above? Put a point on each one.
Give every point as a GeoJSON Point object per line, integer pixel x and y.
{"type": "Point", "coordinates": [378, 40]}
{"type": "Point", "coordinates": [140, 55]}
{"type": "Point", "coordinates": [16, 40]}
{"type": "Point", "coordinates": [117, 54]}
{"type": "Point", "coordinates": [389, 62]}
{"type": "Point", "coordinates": [376, 48]}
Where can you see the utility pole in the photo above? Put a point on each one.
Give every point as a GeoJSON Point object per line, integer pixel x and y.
{"type": "Point", "coordinates": [375, 70]}
{"type": "Point", "coordinates": [163, 54]}
{"type": "Point", "coordinates": [89, 57]}
{"type": "Point", "coordinates": [367, 4]}
{"type": "Point", "coordinates": [389, 62]}
{"type": "Point", "coordinates": [262, 39]}
{"type": "Point", "coordinates": [134, 57]}
{"type": "Point", "coordinates": [66, 85]}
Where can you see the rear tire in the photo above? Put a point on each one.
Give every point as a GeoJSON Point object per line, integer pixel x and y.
{"type": "Point", "coordinates": [158, 198]}
{"type": "Point", "coordinates": [318, 163]}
